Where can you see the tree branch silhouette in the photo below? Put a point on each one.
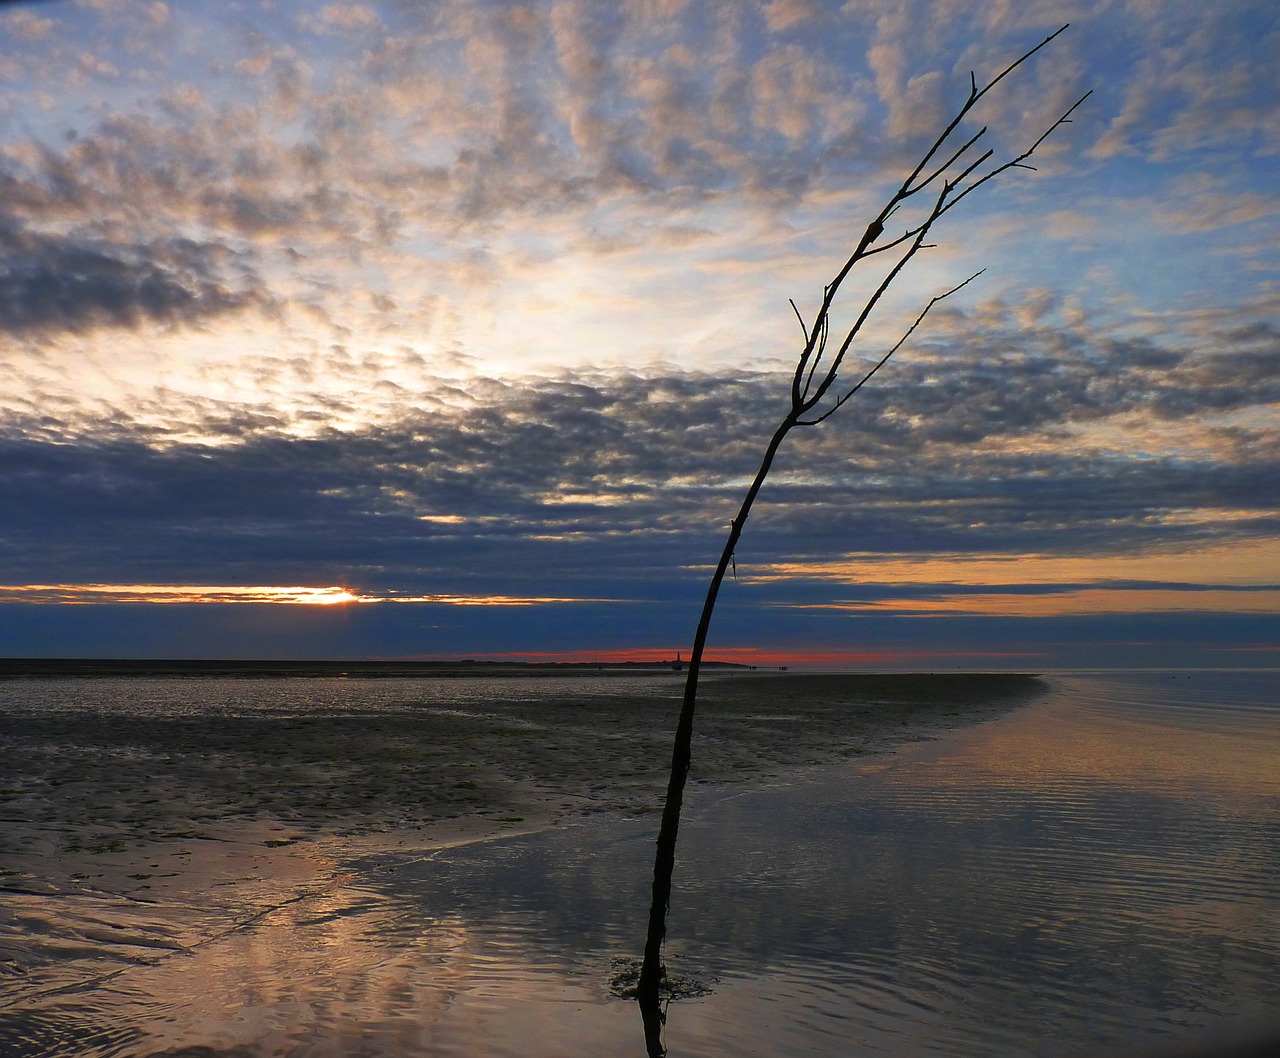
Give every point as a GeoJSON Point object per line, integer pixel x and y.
{"type": "Point", "coordinates": [816, 375]}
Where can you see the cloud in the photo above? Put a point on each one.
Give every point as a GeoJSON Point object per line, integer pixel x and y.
{"type": "Point", "coordinates": [782, 15]}
{"type": "Point", "coordinates": [1201, 80]}
{"type": "Point", "coordinates": [432, 152]}
{"type": "Point", "coordinates": [1064, 602]}
{"type": "Point", "coordinates": [74, 283]}
{"type": "Point", "coordinates": [347, 17]}
{"type": "Point", "coordinates": [1203, 207]}
{"type": "Point", "coordinates": [256, 594]}
{"type": "Point", "coordinates": [391, 296]}
{"type": "Point", "coordinates": [25, 24]}
{"type": "Point", "coordinates": [1000, 435]}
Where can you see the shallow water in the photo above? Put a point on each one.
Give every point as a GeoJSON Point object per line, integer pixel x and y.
{"type": "Point", "coordinates": [1098, 868]}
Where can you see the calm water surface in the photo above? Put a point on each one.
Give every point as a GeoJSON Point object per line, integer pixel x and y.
{"type": "Point", "coordinates": [1099, 868]}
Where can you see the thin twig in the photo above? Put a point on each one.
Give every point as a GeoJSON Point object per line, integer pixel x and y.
{"type": "Point", "coordinates": [833, 368]}
{"type": "Point", "coordinates": [1016, 163]}
{"type": "Point", "coordinates": [815, 336]}
{"type": "Point", "coordinates": [885, 359]}
{"type": "Point", "coordinates": [974, 95]}
{"type": "Point", "coordinates": [803, 329]}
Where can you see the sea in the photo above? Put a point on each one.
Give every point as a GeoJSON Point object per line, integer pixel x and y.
{"type": "Point", "coordinates": [1096, 873]}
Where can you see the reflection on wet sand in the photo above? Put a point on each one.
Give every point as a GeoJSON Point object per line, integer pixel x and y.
{"type": "Point", "coordinates": [1013, 889]}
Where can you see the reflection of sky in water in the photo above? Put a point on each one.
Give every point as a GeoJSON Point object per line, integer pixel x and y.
{"type": "Point", "coordinates": [1101, 866]}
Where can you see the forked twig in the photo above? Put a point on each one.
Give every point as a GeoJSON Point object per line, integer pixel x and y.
{"type": "Point", "coordinates": [885, 359]}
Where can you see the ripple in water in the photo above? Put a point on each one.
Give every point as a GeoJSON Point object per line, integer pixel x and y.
{"type": "Point", "coordinates": [1098, 868]}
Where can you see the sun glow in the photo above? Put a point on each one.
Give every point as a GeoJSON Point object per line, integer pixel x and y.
{"type": "Point", "coordinates": [242, 593]}
{"type": "Point", "coordinates": [293, 595]}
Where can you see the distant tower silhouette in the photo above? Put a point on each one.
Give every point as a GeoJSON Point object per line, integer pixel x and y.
{"type": "Point", "coordinates": [677, 665]}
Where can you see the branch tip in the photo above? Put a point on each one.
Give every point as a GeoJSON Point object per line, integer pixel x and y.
{"type": "Point", "coordinates": [803, 329]}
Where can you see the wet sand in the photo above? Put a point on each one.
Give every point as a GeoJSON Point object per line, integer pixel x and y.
{"type": "Point", "coordinates": [236, 815]}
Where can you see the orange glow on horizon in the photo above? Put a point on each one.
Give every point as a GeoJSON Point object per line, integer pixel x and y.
{"type": "Point", "coordinates": [759, 656]}
{"type": "Point", "coordinates": [1078, 602]}
{"type": "Point", "coordinates": [329, 597]}
{"type": "Point", "coordinates": [170, 594]}
{"type": "Point", "coordinates": [1245, 564]}
{"type": "Point", "coordinates": [293, 595]}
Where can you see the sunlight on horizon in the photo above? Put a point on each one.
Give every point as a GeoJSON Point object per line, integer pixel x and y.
{"type": "Point", "coordinates": [168, 594]}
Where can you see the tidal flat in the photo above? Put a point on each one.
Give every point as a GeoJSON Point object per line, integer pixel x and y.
{"type": "Point", "coordinates": [945, 866]}
{"type": "Point", "coordinates": [158, 786]}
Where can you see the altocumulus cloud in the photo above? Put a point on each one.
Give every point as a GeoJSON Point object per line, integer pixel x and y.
{"type": "Point", "coordinates": [472, 300]}
{"type": "Point", "coordinates": [988, 439]}
{"type": "Point", "coordinates": [78, 282]}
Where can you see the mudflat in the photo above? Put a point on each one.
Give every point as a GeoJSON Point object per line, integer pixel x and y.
{"type": "Point", "coordinates": [238, 809]}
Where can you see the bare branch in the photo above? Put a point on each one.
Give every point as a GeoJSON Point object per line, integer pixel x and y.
{"type": "Point", "coordinates": [873, 232]}
{"type": "Point", "coordinates": [951, 184]}
{"type": "Point", "coordinates": [1014, 65]}
{"type": "Point", "coordinates": [1016, 163]}
{"type": "Point", "coordinates": [822, 348]}
{"type": "Point", "coordinates": [885, 359]}
{"type": "Point", "coordinates": [812, 380]}
{"type": "Point", "coordinates": [906, 236]}
{"type": "Point", "coordinates": [833, 368]}
{"type": "Point", "coordinates": [803, 394]}
{"type": "Point", "coordinates": [947, 164]}
{"type": "Point", "coordinates": [975, 94]}
{"type": "Point", "coordinates": [803, 329]}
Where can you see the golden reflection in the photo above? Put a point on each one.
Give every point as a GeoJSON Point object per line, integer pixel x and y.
{"type": "Point", "coordinates": [1057, 747]}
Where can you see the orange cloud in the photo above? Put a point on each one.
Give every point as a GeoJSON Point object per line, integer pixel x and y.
{"type": "Point", "coordinates": [1066, 603]}
{"type": "Point", "coordinates": [1238, 564]}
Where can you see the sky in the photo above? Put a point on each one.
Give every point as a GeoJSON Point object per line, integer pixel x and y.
{"type": "Point", "coordinates": [457, 329]}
